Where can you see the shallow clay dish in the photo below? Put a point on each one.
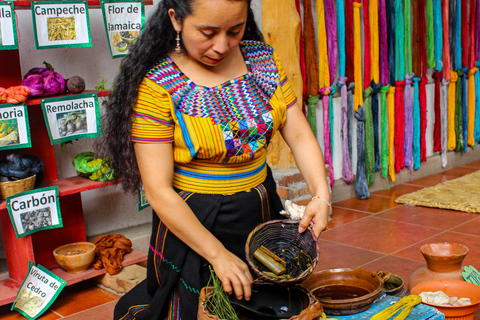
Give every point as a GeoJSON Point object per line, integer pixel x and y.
{"type": "Point", "coordinates": [75, 257]}
{"type": "Point", "coordinates": [344, 291]}
{"type": "Point", "coordinates": [453, 288]}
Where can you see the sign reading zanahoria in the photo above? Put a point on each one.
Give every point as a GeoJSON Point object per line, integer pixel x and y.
{"type": "Point", "coordinates": [34, 210]}
{"type": "Point", "coordinates": [61, 24]}
{"type": "Point", "coordinates": [38, 291]}
{"type": "Point", "coordinates": [14, 127]}
{"type": "Point", "coordinates": [69, 119]}
{"type": "Point", "coordinates": [124, 22]}
{"type": "Point", "coordinates": [8, 27]}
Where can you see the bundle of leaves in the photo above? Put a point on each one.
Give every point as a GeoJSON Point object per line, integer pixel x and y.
{"type": "Point", "coordinates": [217, 303]}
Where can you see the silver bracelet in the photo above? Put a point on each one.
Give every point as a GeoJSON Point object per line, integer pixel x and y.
{"type": "Point", "coordinates": [318, 197]}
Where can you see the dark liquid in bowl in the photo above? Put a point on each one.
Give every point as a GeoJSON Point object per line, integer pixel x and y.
{"type": "Point", "coordinates": [339, 292]}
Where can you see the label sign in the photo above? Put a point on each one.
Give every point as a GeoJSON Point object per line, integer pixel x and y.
{"type": "Point", "coordinates": [8, 28]}
{"type": "Point", "coordinates": [61, 24]}
{"type": "Point", "coordinates": [14, 127]}
{"type": "Point", "coordinates": [142, 199]}
{"type": "Point", "coordinates": [124, 22]}
{"type": "Point", "coordinates": [39, 290]}
{"type": "Point", "coordinates": [34, 210]}
{"type": "Point", "coordinates": [69, 119]}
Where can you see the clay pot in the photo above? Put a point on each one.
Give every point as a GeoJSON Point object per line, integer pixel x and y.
{"type": "Point", "coordinates": [345, 291]}
{"type": "Point", "coordinates": [444, 261]}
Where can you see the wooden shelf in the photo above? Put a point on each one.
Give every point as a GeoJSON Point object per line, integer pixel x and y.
{"type": "Point", "coordinates": [91, 4]}
{"type": "Point", "coordinates": [68, 186]}
{"type": "Point", "coordinates": [9, 287]}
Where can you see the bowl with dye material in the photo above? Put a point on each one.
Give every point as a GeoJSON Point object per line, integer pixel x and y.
{"type": "Point", "coordinates": [344, 291]}
{"type": "Point", "coordinates": [268, 302]}
{"type": "Point", "coordinates": [452, 288]}
{"type": "Point", "coordinates": [75, 257]}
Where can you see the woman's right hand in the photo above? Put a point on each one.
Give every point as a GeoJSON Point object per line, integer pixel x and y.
{"type": "Point", "coordinates": [234, 274]}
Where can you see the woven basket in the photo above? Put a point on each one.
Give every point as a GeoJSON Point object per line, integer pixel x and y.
{"type": "Point", "coordinates": [10, 188]}
{"type": "Point", "coordinates": [282, 238]}
{"type": "Point", "coordinates": [312, 308]}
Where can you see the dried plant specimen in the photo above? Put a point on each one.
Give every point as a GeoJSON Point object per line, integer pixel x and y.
{"type": "Point", "coordinates": [29, 302]}
{"type": "Point", "coordinates": [61, 28]}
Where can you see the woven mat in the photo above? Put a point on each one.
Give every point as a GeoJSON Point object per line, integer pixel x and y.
{"type": "Point", "coordinates": [461, 194]}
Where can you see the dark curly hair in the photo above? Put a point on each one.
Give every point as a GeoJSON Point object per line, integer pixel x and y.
{"type": "Point", "coordinates": [154, 44]}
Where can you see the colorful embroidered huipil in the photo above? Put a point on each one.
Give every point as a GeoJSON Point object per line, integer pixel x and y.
{"type": "Point", "coordinates": [220, 133]}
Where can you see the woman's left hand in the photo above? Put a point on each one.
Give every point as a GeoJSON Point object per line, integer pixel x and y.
{"type": "Point", "coordinates": [317, 212]}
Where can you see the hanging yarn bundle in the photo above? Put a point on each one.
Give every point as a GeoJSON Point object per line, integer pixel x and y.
{"type": "Point", "coordinates": [383, 57]}
{"type": "Point", "coordinates": [400, 85]}
{"type": "Point", "coordinates": [361, 187]}
{"type": "Point", "coordinates": [437, 75]}
{"type": "Point", "coordinates": [347, 173]}
{"type": "Point", "coordinates": [311, 74]}
{"type": "Point", "coordinates": [327, 55]}
{"type": "Point", "coordinates": [471, 77]}
{"type": "Point", "coordinates": [367, 100]}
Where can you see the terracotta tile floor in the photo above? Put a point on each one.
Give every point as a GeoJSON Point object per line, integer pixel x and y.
{"type": "Point", "coordinates": [375, 234]}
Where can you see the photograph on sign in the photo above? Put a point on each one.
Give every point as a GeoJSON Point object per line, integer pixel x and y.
{"type": "Point", "coordinates": [39, 290]}
{"type": "Point", "coordinates": [124, 22]}
{"type": "Point", "coordinates": [69, 119]}
{"type": "Point", "coordinates": [14, 127]}
{"type": "Point", "coordinates": [34, 210]}
{"type": "Point", "coordinates": [8, 30]}
{"type": "Point", "coordinates": [61, 24]}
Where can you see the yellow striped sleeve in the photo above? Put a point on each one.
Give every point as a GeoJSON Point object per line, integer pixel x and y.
{"type": "Point", "coordinates": [152, 119]}
{"type": "Point", "coordinates": [286, 90]}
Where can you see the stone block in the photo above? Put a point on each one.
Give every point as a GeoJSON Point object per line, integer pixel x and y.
{"type": "Point", "coordinates": [124, 281]}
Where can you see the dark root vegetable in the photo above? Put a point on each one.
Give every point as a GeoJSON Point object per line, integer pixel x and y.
{"type": "Point", "coordinates": [76, 84]}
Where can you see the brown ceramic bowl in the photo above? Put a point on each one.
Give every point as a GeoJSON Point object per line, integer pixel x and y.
{"type": "Point", "coordinates": [344, 291]}
{"type": "Point", "coordinates": [75, 257]}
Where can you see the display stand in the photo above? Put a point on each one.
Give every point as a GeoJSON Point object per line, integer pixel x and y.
{"type": "Point", "coordinates": [38, 247]}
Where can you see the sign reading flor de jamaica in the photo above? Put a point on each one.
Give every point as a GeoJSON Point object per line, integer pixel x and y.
{"type": "Point", "coordinates": [38, 291]}
{"type": "Point", "coordinates": [8, 28]}
{"type": "Point", "coordinates": [72, 117]}
{"type": "Point", "coordinates": [61, 24]}
{"type": "Point", "coordinates": [34, 210]}
{"type": "Point", "coordinates": [124, 22]}
{"type": "Point", "coordinates": [14, 127]}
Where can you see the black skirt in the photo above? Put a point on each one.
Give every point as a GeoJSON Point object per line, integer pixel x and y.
{"type": "Point", "coordinates": [175, 273]}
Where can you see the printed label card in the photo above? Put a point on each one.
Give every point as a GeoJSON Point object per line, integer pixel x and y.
{"type": "Point", "coordinates": [61, 24]}
{"type": "Point", "coordinates": [34, 210]}
{"type": "Point", "coordinates": [142, 199]}
{"type": "Point", "coordinates": [14, 127]}
{"type": "Point", "coordinates": [70, 119]}
{"type": "Point", "coordinates": [39, 290]}
{"type": "Point", "coordinates": [8, 27]}
{"type": "Point", "coordinates": [124, 22]}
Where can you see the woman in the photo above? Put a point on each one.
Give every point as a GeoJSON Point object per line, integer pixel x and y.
{"type": "Point", "coordinates": [191, 113]}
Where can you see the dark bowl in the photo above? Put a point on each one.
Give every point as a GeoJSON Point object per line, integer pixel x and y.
{"type": "Point", "coordinates": [344, 291]}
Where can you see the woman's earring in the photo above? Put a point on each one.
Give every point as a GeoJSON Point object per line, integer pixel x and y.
{"type": "Point", "coordinates": [178, 48]}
